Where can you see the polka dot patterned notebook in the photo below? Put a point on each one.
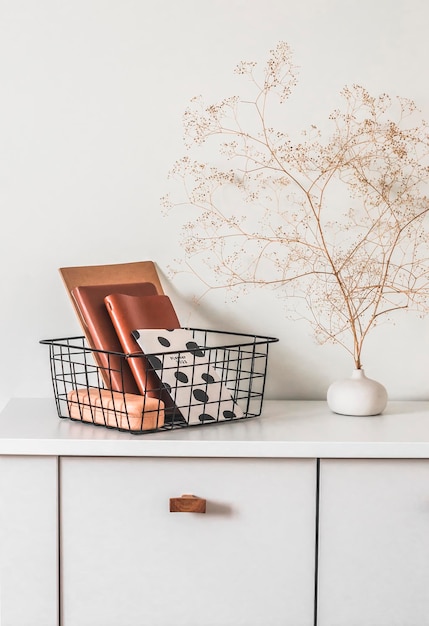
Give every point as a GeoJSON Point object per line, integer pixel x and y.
{"type": "Point", "coordinates": [188, 372]}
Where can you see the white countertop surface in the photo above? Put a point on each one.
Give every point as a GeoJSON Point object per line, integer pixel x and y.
{"type": "Point", "coordinates": [306, 429]}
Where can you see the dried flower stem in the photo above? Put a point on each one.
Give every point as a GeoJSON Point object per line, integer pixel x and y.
{"type": "Point", "coordinates": [341, 224]}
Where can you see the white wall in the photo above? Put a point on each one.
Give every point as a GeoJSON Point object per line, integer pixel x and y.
{"type": "Point", "coordinates": [92, 94]}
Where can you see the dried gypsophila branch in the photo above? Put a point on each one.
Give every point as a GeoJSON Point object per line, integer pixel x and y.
{"type": "Point", "coordinates": [352, 261]}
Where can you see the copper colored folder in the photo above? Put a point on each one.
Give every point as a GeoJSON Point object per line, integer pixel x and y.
{"type": "Point", "coordinates": [130, 312]}
{"type": "Point", "coordinates": [100, 332]}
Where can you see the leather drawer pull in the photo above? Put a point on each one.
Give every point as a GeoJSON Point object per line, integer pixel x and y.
{"type": "Point", "coordinates": [187, 503]}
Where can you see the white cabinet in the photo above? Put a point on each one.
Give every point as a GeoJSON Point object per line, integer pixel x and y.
{"type": "Point", "coordinates": [248, 561]}
{"type": "Point", "coordinates": [374, 543]}
{"type": "Point", "coordinates": [87, 539]}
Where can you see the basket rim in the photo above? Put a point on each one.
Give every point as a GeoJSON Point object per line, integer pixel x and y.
{"type": "Point", "coordinates": [254, 340]}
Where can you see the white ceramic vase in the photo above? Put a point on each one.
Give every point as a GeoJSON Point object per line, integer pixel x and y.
{"type": "Point", "coordinates": [357, 395]}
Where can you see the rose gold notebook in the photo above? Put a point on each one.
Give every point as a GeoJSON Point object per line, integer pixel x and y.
{"type": "Point", "coordinates": [130, 312]}
{"type": "Point", "coordinates": [100, 332]}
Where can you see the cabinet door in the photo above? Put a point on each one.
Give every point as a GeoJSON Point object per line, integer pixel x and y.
{"type": "Point", "coordinates": [28, 541]}
{"type": "Point", "coordinates": [374, 543]}
{"type": "Point", "coordinates": [248, 561]}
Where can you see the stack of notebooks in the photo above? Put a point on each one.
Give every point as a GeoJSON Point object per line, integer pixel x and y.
{"type": "Point", "coordinates": [152, 369]}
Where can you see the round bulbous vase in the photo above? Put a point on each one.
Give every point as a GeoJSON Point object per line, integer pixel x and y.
{"type": "Point", "coordinates": [357, 395]}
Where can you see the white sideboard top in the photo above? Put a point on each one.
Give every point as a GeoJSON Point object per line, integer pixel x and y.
{"type": "Point", "coordinates": [31, 426]}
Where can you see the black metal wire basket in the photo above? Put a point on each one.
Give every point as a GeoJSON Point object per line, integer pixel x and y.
{"type": "Point", "coordinates": [219, 377]}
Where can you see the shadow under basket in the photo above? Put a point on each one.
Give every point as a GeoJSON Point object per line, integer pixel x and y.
{"type": "Point", "coordinates": [219, 380]}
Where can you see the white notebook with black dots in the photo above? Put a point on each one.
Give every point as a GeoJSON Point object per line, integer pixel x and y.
{"type": "Point", "coordinates": [188, 373]}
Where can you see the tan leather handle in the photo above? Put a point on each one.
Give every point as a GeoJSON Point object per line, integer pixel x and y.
{"type": "Point", "coordinates": [187, 503]}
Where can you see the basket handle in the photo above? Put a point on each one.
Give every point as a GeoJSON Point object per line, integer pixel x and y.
{"type": "Point", "coordinates": [187, 503]}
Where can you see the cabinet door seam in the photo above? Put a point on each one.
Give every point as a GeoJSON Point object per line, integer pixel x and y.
{"type": "Point", "coordinates": [316, 541]}
{"type": "Point", "coordinates": [59, 520]}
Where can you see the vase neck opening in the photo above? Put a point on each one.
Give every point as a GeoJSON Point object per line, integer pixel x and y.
{"type": "Point", "coordinates": [358, 373]}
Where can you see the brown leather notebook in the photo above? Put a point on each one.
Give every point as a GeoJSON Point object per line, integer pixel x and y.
{"type": "Point", "coordinates": [130, 312]}
{"type": "Point", "coordinates": [136, 272]}
{"type": "Point", "coordinates": [100, 332]}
